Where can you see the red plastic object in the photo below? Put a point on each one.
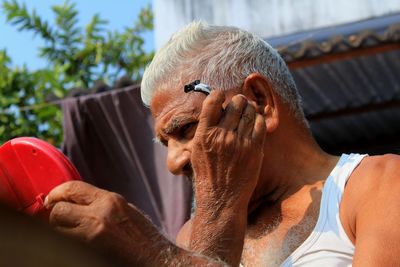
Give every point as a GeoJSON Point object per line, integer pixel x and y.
{"type": "Point", "coordinates": [29, 169]}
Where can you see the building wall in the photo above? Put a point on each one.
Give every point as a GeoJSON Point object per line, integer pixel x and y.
{"type": "Point", "coordinates": [265, 17]}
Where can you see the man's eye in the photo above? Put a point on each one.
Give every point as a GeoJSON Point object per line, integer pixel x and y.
{"type": "Point", "coordinates": [164, 143]}
{"type": "Point", "coordinates": [188, 130]}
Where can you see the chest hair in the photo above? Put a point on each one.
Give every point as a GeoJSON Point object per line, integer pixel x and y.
{"type": "Point", "coordinates": [269, 244]}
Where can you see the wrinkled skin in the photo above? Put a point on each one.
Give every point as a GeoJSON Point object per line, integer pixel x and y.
{"type": "Point", "coordinates": [223, 144]}
{"type": "Point", "coordinates": [225, 178]}
{"type": "Point", "coordinates": [225, 175]}
{"type": "Point", "coordinates": [282, 182]}
{"type": "Point", "coordinates": [104, 219]}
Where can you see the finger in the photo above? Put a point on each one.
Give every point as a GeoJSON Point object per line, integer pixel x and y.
{"type": "Point", "coordinates": [66, 214]}
{"type": "Point", "coordinates": [233, 113]}
{"type": "Point", "coordinates": [73, 191]}
{"type": "Point", "coordinates": [80, 232]}
{"type": "Point", "coordinates": [69, 231]}
{"type": "Point", "coordinates": [247, 120]}
{"type": "Point", "coordinates": [211, 110]}
{"type": "Point", "coordinates": [260, 130]}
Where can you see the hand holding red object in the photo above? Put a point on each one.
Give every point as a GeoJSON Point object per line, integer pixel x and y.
{"type": "Point", "coordinates": [29, 169]}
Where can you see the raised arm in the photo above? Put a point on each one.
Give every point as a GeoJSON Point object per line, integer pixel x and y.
{"type": "Point", "coordinates": [226, 159]}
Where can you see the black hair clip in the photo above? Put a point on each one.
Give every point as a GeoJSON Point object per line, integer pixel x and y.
{"type": "Point", "coordinates": [196, 86]}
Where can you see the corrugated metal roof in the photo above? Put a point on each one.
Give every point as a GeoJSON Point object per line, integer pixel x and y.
{"type": "Point", "coordinates": [352, 103]}
{"type": "Point", "coordinates": [337, 39]}
{"type": "Point", "coordinates": [349, 83]}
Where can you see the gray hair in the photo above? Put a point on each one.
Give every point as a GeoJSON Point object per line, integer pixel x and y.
{"type": "Point", "coordinates": [221, 57]}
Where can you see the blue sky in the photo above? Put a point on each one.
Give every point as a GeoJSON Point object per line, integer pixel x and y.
{"type": "Point", "coordinates": [22, 46]}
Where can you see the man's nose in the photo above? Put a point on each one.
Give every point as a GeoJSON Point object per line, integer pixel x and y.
{"type": "Point", "coordinates": [178, 157]}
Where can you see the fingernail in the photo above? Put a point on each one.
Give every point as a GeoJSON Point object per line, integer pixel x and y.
{"type": "Point", "coordinates": [46, 201]}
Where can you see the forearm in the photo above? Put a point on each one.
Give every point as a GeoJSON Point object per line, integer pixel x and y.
{"type": "Point", "coordinates": [116, 228]}
{"type": "Point", "coordinates": [216, 240]}
{"type": "Point", "coordinates": [165, 254]}
{"type": "Point", "coordinates": [180, 257]}
{"type": "Point", "coordinates": [225, 176]}
{"type": "Point", "coordinates": [218, 232]}
{"type": "Point", "coordinates": [148, 247]}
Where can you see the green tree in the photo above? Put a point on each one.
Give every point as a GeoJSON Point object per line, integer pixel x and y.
{"type": "Point", "coordinates": [77, 57]}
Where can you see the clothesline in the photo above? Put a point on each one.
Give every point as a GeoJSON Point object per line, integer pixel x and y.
{"type": "Point", "coordinates": [59, 101]}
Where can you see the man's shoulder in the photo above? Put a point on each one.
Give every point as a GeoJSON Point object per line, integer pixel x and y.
{"type": "Point", "coordinates": [375, 176]}
{"type": "Point", "coordinates": [370, 211]}
{"type": "Point", "coordinates": [381, 161]}
{"type": "Point", "coordinates": [372, 185]}
{"type": "Point", "coordinates": [375, 170]}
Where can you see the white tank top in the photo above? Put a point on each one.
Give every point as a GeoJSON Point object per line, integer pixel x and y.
{"type": "Point", "coordinates": [328, 245]}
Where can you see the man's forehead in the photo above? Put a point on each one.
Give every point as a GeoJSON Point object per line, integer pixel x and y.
{"type": "Point", "coordinates": [165, 100]}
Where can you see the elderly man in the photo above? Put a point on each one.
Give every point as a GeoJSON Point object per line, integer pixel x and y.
{"type": "Point", "coordinates": [266, 194]}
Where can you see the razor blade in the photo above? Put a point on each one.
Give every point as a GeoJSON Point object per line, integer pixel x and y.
{"type": "Point", "coordinates": [197, 86]}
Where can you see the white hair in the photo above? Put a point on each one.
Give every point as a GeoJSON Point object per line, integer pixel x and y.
{"type": "Point", "coordinates": [221, 57]}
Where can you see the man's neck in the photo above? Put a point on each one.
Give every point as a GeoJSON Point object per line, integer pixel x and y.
{"type": "Point", "coordinates": [291, 162]}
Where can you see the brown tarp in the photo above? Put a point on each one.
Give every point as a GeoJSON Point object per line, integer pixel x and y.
{"type": "Point", "coordinates": [109, 138]}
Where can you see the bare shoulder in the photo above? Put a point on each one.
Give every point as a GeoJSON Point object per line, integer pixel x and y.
{"type": "Point", "coordinates": [374, 183]}
{"type": "Point", "coordinates": [372, 190]}
{"type": "Point", "coordinates": [379, 177]}
{"type": "Point", "coordinates": [374, 173]}
{"type": "Point", "coordinates": [381, 163]}
{"type": "Point", "coordinates": [370, 208]}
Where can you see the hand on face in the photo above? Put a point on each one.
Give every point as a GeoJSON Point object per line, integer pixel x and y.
{"type": "Point", "coordinates": [227, 151]}
{"type": "Point", "coordinates": [104, 219]}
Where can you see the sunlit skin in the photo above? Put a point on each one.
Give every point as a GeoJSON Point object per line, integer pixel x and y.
{"type": "Point", "coordinates": [226, 138]}
{"type": "Point", "coordinates": [258, 176]}
{"type": "Point", "coordinates": [272, 190]}
{"type": "Point", "coordinates": [288, 199]}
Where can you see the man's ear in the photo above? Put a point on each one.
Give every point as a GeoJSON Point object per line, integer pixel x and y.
{"type": "Point", "coordinates": [259, 92]}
